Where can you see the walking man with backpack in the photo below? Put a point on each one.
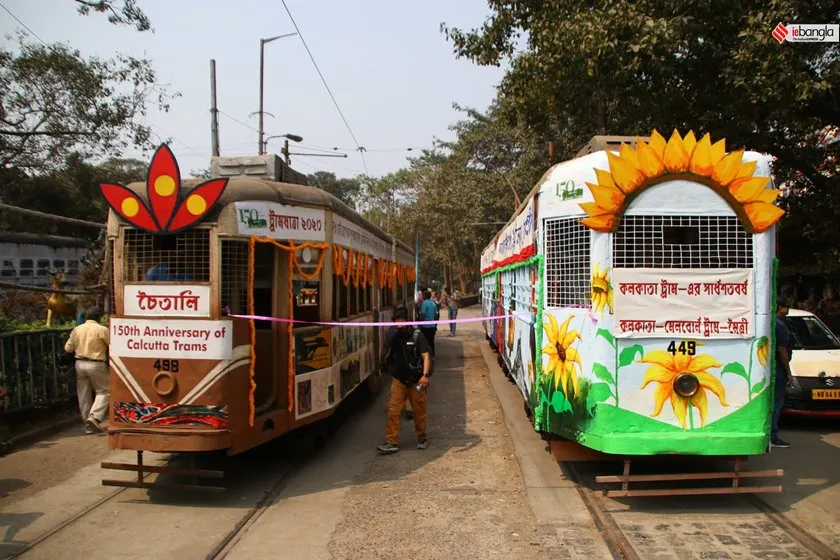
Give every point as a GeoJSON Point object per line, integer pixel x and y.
{"type": "Point", "coordinates": [409, 359]}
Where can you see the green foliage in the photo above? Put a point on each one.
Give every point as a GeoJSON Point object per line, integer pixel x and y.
{"type": "Point", "coordinates": [347, 191]}
{"type": "Point", "coordinates": [606, 335]}
{"type": "Point", "coordinates": [603, 67]}
{"type": "Point", "coordinates": [55, 102]}
{"type": "Point", "coordinates": [602, 373]}
{"type": "Point", "coordinates": [598, 393]}
{"type": "Point", "coordinates": [626, 356]}
{"type": "Point", "coordinates": [737, 369]}
{"type": "Point", "coordinates": [126, 12]}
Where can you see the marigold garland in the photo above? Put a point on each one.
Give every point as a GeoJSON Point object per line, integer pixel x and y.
{"type": "Point", "coordinates": [291, 250]}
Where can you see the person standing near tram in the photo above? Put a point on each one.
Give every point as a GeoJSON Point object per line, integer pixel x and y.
{"type": "Point", "coordinates": [89, 343]}
{"type": "Point", "coordinates": [452, 303]}
{"type": "Point", "coordinates": [429, 312]}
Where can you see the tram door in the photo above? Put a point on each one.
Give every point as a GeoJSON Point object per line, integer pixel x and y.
{"type": "Point", "coordinates": [271, 345]}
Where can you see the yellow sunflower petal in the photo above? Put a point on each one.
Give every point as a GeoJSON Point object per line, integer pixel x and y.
{"type": "Point", "coordinates": [718, 151]}
{"type": "Point", "coordinates": [604, 223]}
{"type": "Point", "coordinates": [658, 374]}
{"type": "Point", "coordinates": [701, 363]}
{"type": "Point", "coordinates": [573, 356]}
{"type": "Point", "coordinates": [726, 169]}
{"type": "Point", "coordinates": [660, 395]}
{"type": "Point", "coordinates": [559, 376]}
{"type": "Point", "coordinates": [660, 357]}
{"type": "Point", "coordinates": [604, 272]}
{"type": "Point", "coordinates": [564, 328]}
{"type": "Point", "coordinates": [768, 195]}
{"type": "Point", "coordinates": [608, 198]}
{"type": "Point", "coordinates": [552, 329]}
{"type": "Point", "coordinates": [681, 362]}
{"type": "Point", "coordinates": [597, 267]}
{"type": "Point", "coordinates": [604, 178]}
{"type": "Point", "coordinates": [610, 301]}
{"type": "Point", "coordinates": [570, 339]}
{"type": "Point", "coordinates": [746, 189]}
{"type": "Point", "coordinates": [675, 157]}
{"type": "Point", "coordinates": [701, 158]}
{"type": "Point", "coordinates": [597, 303]}
{"type": "Point", "coordinates": [747, 169]}
{"type": "Point", "coordinates": [625, 172]}
{"type": "Point", "coordinates": [650, 162]}
{"type": "Point", "coordinates": [699, 401]}
{"type": "Point", "coordinates": [553, 360]}
{"type": "Point", "coordinates": [594, 210]}
{"type": "Point", "coordinates": [689, 142]}
{"type": "Point", "coordinates": [629, 154]}
{"type": "Point", "coordinates": [713, 384]}
{"type": "Point", "coordinates": [763, 215]}
{"type": "Point", "coordinates": [550, 350]}
{"type": "Point", "coordinates": [680, 406]}
{"type": "Point", "coordinates": [657, 143]}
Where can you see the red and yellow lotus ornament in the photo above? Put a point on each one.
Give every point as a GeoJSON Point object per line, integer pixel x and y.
{"type": "Point", "coordinates": [167, 211]}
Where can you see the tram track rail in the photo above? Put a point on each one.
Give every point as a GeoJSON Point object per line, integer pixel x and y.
{"type": "Point", "coordinates": [621, 548]}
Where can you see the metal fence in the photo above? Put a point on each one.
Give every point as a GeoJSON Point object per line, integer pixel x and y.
{"type": "Point", "coordinates": [34, 370]}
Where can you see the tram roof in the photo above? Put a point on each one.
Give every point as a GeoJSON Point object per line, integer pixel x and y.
{"type": "Point", "coordinates": [252, 189]}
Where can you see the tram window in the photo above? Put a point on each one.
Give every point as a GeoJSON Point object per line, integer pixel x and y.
{"type": "Point", "coordinates": [368, 298]}
{"type": "Point", "coordinates": [263, 281]}
{"type": "Point", "coordinates": [341, 290]}
{"type": "Point", "coordinates": [680, 235]}
{"type": "Point", "coordinates": [307, 299]}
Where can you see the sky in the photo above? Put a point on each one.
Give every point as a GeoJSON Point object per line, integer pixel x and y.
{"type": "Point", "coordinates": [389, 66]}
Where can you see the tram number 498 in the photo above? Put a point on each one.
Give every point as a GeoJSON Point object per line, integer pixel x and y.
{"type": "Point", "coordinates": [166, 365]}
{"type": "Point", "coordinates": [685, 348]}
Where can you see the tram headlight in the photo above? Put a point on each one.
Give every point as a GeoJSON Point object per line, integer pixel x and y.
{"type": "Point", "coordinates": [686, 385]}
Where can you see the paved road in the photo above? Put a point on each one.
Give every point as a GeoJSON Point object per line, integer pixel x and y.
{"type": "Point", "coordinates": [476, 492]}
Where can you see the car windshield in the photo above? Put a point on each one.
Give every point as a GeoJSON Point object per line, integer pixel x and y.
{"type": "Point", "coordinates": [809, 333]}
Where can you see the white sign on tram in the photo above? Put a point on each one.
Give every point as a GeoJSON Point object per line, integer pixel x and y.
{"type": "Point", "coordinates": [172, 300]}
{"type": "Point", "coordinates": [178, 339]}
{"type": "Point", "coordinates": [280, 221]}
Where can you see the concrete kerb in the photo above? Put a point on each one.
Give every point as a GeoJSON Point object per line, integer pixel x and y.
{"type": "Point", "coordinates": [553, 498]}
{"type": "Point", "coordinates": [35, 434]}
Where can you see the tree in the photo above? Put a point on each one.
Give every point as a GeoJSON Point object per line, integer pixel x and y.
{"type": "Point", "coordinates": [346, 190]}
{"type": "Point", "coordinates": [627, 67]}
{"type": "Point", "coordinates": [54, 102]}
{"type": "Point", "coordinates": [119, 13]}
{"type": "Point", "coordinates": [606, 67]}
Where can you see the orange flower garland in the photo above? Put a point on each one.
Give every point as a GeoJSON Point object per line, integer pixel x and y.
{"type": "Point", "coordinates": [291, 250]}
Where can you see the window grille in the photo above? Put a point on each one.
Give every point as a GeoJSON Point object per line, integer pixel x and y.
{"type": "Point", "coordinates": [234, 292]}
{"type": "Point", "coordinates": [522, 287]}
{"type": "Point", "coordinates": [108, 274]}
{"type": "Point", "coordinates": [182, 257]}
{"type": "Point", "coordinates": [682, 242]}
{"type": "Point", "coordinates": [567, 268]}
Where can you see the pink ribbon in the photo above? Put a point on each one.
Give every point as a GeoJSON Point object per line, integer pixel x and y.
{"type": "Point", "coordinates": [381, 324]}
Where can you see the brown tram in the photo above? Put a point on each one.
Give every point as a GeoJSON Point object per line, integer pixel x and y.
{"type": "Point", "coordinates": [189, 375]}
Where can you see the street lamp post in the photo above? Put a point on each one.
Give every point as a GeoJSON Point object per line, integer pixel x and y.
{"type": "Point", "coordinates": [288, 137]}
{"type": "Point", "coordinates": [260, 143]}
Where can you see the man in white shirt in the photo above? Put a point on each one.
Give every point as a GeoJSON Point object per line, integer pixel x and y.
{"type": "Point", "coordinates": [89, 342]}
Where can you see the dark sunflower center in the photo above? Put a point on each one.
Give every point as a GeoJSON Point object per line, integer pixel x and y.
{"type": "Point", "coordinates": [561, 352]}
{"type": "Point", "coordinates": [686, 385]}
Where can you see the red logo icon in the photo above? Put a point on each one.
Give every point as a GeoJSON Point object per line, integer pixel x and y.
{"type": "Point", "coordinates": [169, 212]}
{"type": "Point", "coordinates": [780, 33]}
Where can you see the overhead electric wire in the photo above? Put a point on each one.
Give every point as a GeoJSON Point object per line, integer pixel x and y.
{"type": "Point", "coordinates": [359, 147]}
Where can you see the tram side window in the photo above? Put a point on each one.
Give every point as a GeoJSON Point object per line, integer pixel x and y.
{"type": "Point", "coordinates": [263, 280]}
{"type": "Point", "coordinates": [339, 298]}
{"type": "Point", "coordinates": [353, 302]}
{"type": "Point", "coordinates": [307, 299]}
{"type": "Point", "coordinates": [567, 266]}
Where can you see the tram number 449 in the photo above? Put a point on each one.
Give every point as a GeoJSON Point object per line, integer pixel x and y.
{"type": "Point", "coordinates": [166, 365]}
{"type": "Point", "coordinates": [685, 348]}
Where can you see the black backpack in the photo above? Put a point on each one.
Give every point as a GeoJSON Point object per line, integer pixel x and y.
{"type": "Point", "coordinates": [406, 360]}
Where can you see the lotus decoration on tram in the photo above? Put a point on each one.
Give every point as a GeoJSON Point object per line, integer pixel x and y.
{"type": "Point", "coordinates": [650, 163]}
{"type": "Point", "coordinates": [167, 211]}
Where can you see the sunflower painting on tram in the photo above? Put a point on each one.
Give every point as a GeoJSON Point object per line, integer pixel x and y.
{"type": "Point", "coordinates": [602, 292]}
{"type": "Point", "coordinates": [562, 358]}
{"type": "Point", "coordinates": [683, 380]}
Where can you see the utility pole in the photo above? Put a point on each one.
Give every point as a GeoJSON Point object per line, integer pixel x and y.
{"type": "Point", "coordinates": [286, 152]}
{"type": "Point", "coordinates": [214, 111]}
